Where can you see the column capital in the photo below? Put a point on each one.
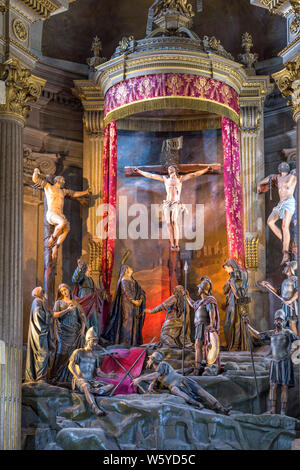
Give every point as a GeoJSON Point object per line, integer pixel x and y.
{"type": "Point", "coordinates": [288, 82]}
{"type": "Point", "coordinates": [250, 117]}
{"type": "Point", "coordinates": [93, 104]}
{"type": "Point", "coordinates": [21, 87]}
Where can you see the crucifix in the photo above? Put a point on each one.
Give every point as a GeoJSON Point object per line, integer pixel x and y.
{"type": "Point", "coordinates": [173, 176]}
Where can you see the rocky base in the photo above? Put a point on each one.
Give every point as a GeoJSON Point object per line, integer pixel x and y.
{"type": "Point", "coordinates": [57, 418]}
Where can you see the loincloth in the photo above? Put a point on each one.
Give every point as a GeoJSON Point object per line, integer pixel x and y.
{"type": "Point", "coordinates": [174, 205]}
{"type": "Point", "coordinates": [287, 205]}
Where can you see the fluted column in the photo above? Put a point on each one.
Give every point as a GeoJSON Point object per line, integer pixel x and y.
{"type": "Point", "coordinates": [288, 82]}
{"type": "Point", "coordinates": [253, 170]}
{"type": "Point", "coordinates": [11, 266]}
{"type": "Point", "coordinates": [92, 172]}
{"type": "Point", "coordinates": [20, 87]}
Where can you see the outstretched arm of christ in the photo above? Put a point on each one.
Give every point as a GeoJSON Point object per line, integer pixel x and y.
{"type": "Point", "coordinates": [195, 174]}
{"type": "Point", "coordinates": [146, 174]}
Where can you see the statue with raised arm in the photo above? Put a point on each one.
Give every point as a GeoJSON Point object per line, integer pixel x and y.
{"type": "Point", "coordinates": [179, 385]}
{"type": "Point", "coordinates": [172, 206]}
{"type": "Point", "coordinates": [285, 182]}
{"type": "Point", "coordinates": [172, 328]}
{"type": "Point", "coordinates": [84, 366]}
{"type": "Point", "coordinates": [55, 195]}
{"type": "Point", "coordinates": [281, 370]}
{"type": "Point", "coordinates": [288, 294]}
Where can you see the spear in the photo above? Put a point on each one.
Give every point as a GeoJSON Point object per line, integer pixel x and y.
{"type": "Point", "coordinates": [184, 313]}
{"type": "Point", "coordinates": [251, 354]}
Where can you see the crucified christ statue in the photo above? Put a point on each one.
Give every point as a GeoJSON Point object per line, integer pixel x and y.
{"type": "Point", "coordinates": [286, 182]}
{"type": "Point", "coordinates": [55, 195]}
{"type": "Point", "coordinates": [172, 206]}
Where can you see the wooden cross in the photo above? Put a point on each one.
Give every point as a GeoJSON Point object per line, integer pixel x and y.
{"type": "Point", "coordinates": [215, 169]}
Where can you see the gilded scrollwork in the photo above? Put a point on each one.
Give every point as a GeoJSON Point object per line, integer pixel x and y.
{"type": "Point", "coordinates": [288, 82]}
{"type": "Point", "coordinates": [21, 88]}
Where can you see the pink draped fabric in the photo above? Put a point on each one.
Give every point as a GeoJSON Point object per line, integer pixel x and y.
{"type": "Point", "coordinates": [233, 191]}
{"type": "Point", "coordinates": [127, 358]}
{"type": "Point", "coordinates": [220, 98]}
{"type": "Point", "coordinates": [153, 87]}
{"type": "Point", "coordinates": [109, 199]}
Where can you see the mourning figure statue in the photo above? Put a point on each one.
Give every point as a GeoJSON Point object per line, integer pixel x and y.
{"type": "Point", "coordinates": [236, 291]}
{"type": "Point", "coordinates": [207, 320]}
{"type": "Point", "coordinates": [172, 328]}
{"type": "Point", "coordinates": [84, 366]}
{"type": "Point", "coordinates": [285, 181]}
{"type": "Point", "coordinates": [40, 339]}
{"type": "Point", "coordinates": [281, 370]}
{"type": "Point", "coordinates": [90, 298]}
{"type": "Point", "coordinates": [181, 386]}
{"type": "Point", "coordinates": [70, 326]}
{"type": "Point", "coordinates": [289, 294]}
{"type": "Point", "coordinates": [127, 316]}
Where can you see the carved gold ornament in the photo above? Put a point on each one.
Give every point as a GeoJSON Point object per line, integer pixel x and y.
{"type": "Point", "coordinates": [251, 255]}
{"type": "Point", "coordinates": [20, 30]}
{"type": "Point", "coordinates": [20, 88]}
{"type": "Point", "coordinates": [95, 250]}
{"type": "Point", "coordinates": [288, 82]}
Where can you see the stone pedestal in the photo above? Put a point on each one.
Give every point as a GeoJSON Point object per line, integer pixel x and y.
{"type": "Point", "coordinates": [11, 223]}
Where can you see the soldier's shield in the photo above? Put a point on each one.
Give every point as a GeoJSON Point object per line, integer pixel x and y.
{"type": "Point", "coordinates": [212, 347]}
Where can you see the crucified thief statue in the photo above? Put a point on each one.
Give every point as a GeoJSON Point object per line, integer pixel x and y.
{"type": "Point", "coordinates": [55, 195]}
{"type": "Point", "coordinates": [286, 182]}
{"type": "Point", "coordinates": [172, 206]}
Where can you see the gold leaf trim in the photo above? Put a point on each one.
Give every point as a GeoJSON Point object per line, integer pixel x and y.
{"type": "Point", "coordinates": [169, 125]}
{"type": "Point", "coordinates": [171, 102]}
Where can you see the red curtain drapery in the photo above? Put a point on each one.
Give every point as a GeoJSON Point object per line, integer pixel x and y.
{"type": "Point", "coordinates": [109, 203]}
{"type": "Point", "coordinates": [233, 191]}
{"type": "Point", "coordinates": [127, 96]}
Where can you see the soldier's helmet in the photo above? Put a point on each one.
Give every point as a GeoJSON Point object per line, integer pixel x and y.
{"type": "Point", "coordinates": [205, 285]}
{"type": "Point", "coordinates": [157, 356]}
{"type": "Point", "coordinates": [292, 265]}
{"type": "Point", "coordinates": [280, 314]}
{"type": "Point", "coordinates": [91, 334]}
